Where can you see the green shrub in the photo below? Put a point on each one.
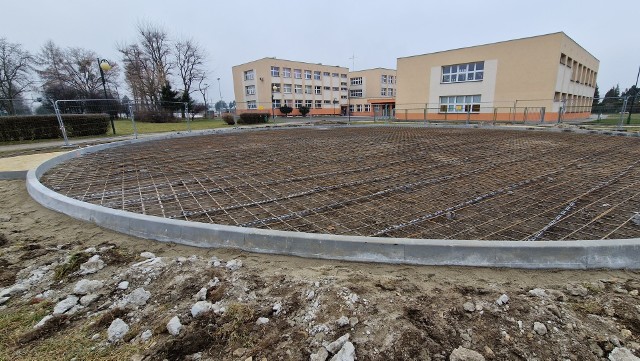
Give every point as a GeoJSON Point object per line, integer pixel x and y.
{"type": "Point", "coordinates": [228, 118]}
{"type": "Point", "coordinates": [285, 109]}
{"type": "Point", "coordinates": [155, 116]}
{"type": "Point", "coordinates": [31, 127]}
{"type": "Point", "coordinates": [253, 118]}
{"type": "Point", "coordinates": [304, 110]}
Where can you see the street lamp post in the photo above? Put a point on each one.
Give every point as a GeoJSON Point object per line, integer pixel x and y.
{"type": "Point", "coordinates": [273, 103]}
{"type": "Point", "coordinates": [220, 91]}
{"type": "Point", "coordinates": [104, 65]}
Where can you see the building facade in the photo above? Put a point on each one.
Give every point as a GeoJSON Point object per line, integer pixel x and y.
{"type": "Point", "coordinates": [372, 92]}
{"type": "Point", "coordinates": [267, 84]}
{"type": "Point", "coordinates": [547, 76]}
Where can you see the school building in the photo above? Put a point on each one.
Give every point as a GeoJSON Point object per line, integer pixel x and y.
{"type": "Point", "coordinates": [266, 84]}
{"type": "Point", "coordinates": [372, 92]}
{"type": "Point", "coordinates": [546, 77]}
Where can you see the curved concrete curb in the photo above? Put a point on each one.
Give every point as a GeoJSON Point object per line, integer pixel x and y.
{"type": "Point", "coordinates": [586, 254]}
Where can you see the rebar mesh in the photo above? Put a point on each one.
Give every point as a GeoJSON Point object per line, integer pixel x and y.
{"type": "Point", "coordinates": [379, 181]}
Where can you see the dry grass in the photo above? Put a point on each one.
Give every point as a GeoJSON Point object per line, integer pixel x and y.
{"type": "Point", "coordinates": [71, 266]}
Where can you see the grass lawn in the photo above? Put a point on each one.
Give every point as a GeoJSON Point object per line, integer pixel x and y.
{"type": "Point", "coordinates": [125, 126]}
{"type": "Point", "coordinates": [614, 119]}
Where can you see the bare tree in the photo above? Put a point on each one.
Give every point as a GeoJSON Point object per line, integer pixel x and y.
{"type": "Point", "coordinates": [72, 72]}
{"type": "Point", "coordinates": [15, 73]}
{"type": "Point", "coordinates": [148, 62]}
{"type": "Point", "coordinates": [189, 58]}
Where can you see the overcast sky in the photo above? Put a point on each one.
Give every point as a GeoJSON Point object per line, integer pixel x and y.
{"type": "Point", "coordinates": [331, 31]}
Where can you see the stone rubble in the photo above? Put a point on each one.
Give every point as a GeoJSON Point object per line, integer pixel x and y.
{"type": "Point", "coordinates": [174, 326]}
{"type": "Point", "coordinates": [117, 330]}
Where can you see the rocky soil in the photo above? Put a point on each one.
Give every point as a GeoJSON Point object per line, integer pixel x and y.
{"type": "Point", "coordinates": [72, 291]}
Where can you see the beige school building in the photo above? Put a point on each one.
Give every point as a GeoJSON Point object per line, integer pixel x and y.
{"type": "Point", "coordinates": [267, 84]}
{"type": "Point", "coordinates": [548, 75]}
{"type": "Point", "coordinates": [372, 92]}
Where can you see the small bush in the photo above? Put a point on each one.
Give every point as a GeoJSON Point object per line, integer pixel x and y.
{"type": "Point", "coordinates": [155, 116]}
{"type": "Point", "coordinates": [304, 110]}
{"type": "Point", "coordinates": [228, 118]}
{"type": "Point", "coordinates": [254, 118]}
{"type": "Point", "coordinates": [285, 109]}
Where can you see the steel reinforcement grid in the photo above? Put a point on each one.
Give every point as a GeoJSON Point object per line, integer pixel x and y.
{"type": "Point", "coordinates": [376, 181]}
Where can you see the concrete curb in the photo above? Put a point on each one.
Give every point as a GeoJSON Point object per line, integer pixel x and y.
{"type": "Point", "coordinates": [18, 174]}
{"type": "Point", "coordinates": [583, 254]}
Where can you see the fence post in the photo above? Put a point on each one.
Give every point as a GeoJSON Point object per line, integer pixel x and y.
{"type": "Point", "coordinates": [61, 123]}
{"type": "Point", "coordinates": [133, 122]}
{"type": "Point", "coordinates": [425, 114]}
{"type": "Point", "coordinates": [495, 115]}
{"type": "Point", "coordinates": [542, 112]}
{"type": "Point", "coordinates": [186, 112]}
{"type": "Point", "coordinates": [524, 116]}
{"type": "Point", "coordinates": [560, 114]}
{"type": "Point", "coordinates": [624, 107]}
{"type": "Point", "coordinates": [468, 114]}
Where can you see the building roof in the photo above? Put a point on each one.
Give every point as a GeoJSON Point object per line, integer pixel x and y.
{"type": "Point", "coordinates": [291, 61]}
{"type": "Point", "coordinates": [505, 41]}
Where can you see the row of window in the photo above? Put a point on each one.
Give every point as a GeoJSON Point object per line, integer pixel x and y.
{"type": "Point", "coordinates": [297, 73]}
{"type": "Point", "coordinates": [579, 73]}
{"type": "Point", "coordinates": [387, 92]}
{"type": "Point", "coordinates": [297, 89]}
{"type": "Point", "coordinates": [388, 79]}
{"type": "Point", "coordinates": [360, 108]}
{"type": "Point", "coordinates": [463, 72]}
{"type": "Point", "coordinates": [460, 104]}
{"type": "Point", "coordinates": [277, 103]}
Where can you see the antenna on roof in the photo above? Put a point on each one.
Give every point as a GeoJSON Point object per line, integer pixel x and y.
{"type": "Point", "coordinates": [353, 62]}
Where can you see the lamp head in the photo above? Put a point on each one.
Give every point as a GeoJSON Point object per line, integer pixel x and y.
{"type": "Point", "coordinates": [104, 65]}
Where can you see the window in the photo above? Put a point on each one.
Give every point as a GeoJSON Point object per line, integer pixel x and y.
{"type": "Point", "coordinates": [463, 72]}
{"type": "Point", "coordinates": [350, 108]}
{"type": "Point", "coordinates": [343, 97]}
{"type": "Point", "coordinates": [316, 75]}
{"type": "Point", "coordinates": [358, 107]}
{"type": "Point", "coordinates": [288, 102]}
{"type": "Point", "coordinates": [384, 79]}
{"type": "Point", "coordinates": [367, 107]}
{"type": "Point", "coordinates": [276, 103]}
{"type": "Point", "coordinates": [307, 89]}
{"type": "Point", "coordinates": [297, 73]}
{"type": "Point", "coordinates": [286, 72]}
{"type": "Point", "coordinates": [326, 73]}
{"type": "Point", "coordinates": [248, 75]}
{"type": "Point", "coordinates": [250, 90]}
{"type": "Point", "coordinates": [327, 88]}
{"type": "Point", "coordinates": [344, 76]}
{"type": "Point", "coordinates": [356, 81]}
{"type": "Point", "coordinates": [355, 93]}
{"type": "Point", "coordinates": [327, 101]}
{"type": "Point", "coordinates": [460, 104]}
{"type": "Point", "coordinates": [317, 90]}
{"type": "Point", "coordinates": [389, 92]}
{"type": "Point", "coordinates": [318, 104]}
{"type": "Point", "coordinates": [275, 88]}
{"type": "Point", "coordinates": [335, 88]}
{"type": "Point", "coordinates": [275, 71]}
{"type": "Point", "coordinates": [344, 88]}
{"type": "Point", "coordinates": [307, 74]}
{"type": "Point", "coordinates": [298, 103]}
{"type": "Point", "coordinates": [383, 92]}
{"type": "Point", "coordinates": [335, 75]}
{"type": "Point", "coordinates": [392, 79]}
{"type": "Point", "coordinates": [308, 103]}
{"type": "Point", "coordinates": [343, 83]}
{"type": "Point", "coordinates": [286, 88]}
{"type": "Point", "coordinates": [251, 104]}
{"type": "Point", "coordinates": [298, 89]}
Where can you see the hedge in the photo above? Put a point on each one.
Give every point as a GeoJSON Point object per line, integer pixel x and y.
{"type": "Point", "coordinates": [155, 116]}
{"type": "Point", "coordinates": [228, 118]}
{"type": "Point", "coordinates": [31, 127]}
{"type": "Point", "coordinates": [253, 118]}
